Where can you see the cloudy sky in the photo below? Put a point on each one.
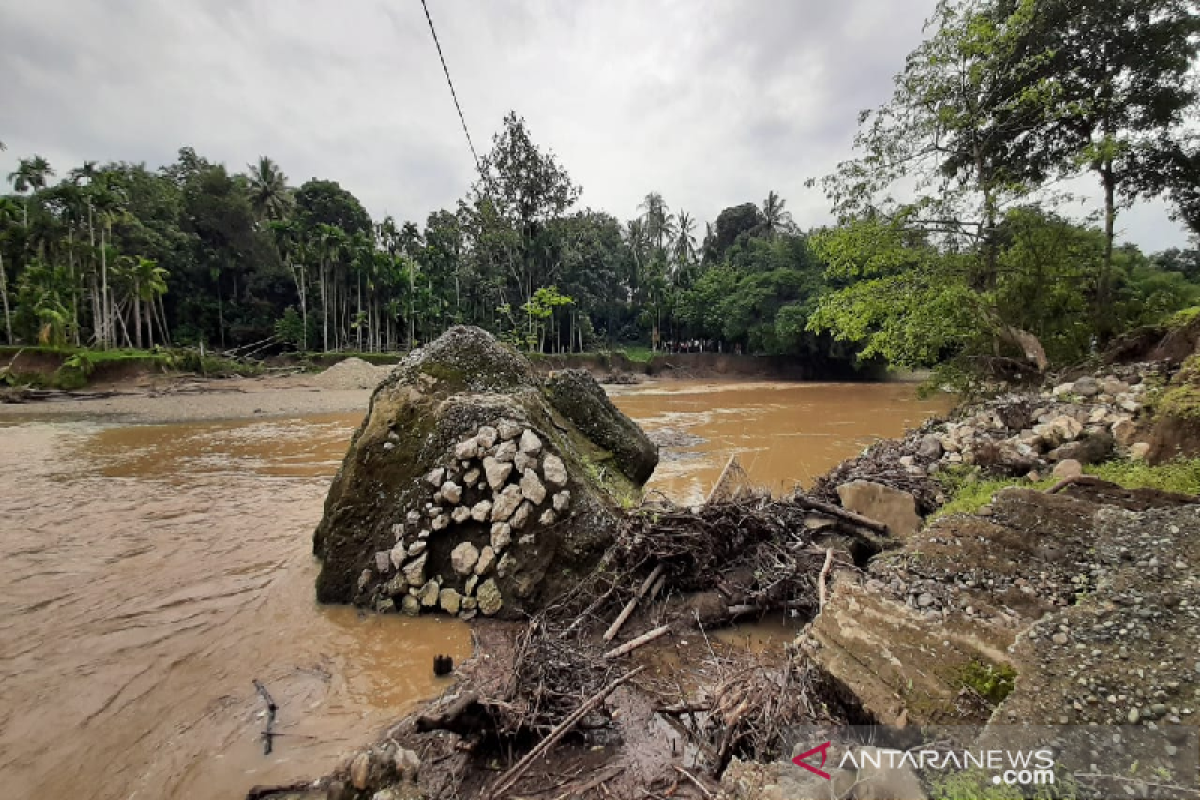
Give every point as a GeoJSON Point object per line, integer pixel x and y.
{"type": "Point", "coordinates": [710, 102]}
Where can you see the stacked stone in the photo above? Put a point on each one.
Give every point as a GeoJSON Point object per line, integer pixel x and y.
{"type": "Point", "coordinates": [503, 478]}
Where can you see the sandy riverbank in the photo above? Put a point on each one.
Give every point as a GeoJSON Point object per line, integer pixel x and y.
{"type": "Point", "coordinates": [192, 400]}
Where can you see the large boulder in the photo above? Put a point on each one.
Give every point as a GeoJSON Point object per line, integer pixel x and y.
{"type": "Point", "coordinates": [577, 396]}
{"type": "Point", "coordinates": [425, 502]}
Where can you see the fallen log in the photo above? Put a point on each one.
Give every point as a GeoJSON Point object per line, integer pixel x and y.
{"type": "Point", "coordinates": [634, 644]}
{"type": "Point", "coordinates": [509, 779]}
{"type": "Point", "coordinates": [632, 604]}
{"type": "Point", "coordinates": [267, 735]}
{"type": "Point", "coordinates": [838, 512]}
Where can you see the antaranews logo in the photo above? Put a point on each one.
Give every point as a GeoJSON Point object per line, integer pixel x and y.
{"type": "Point", "coordinates": [1010, 767]}
{"type": "Point", "coordinates": [823, 749]}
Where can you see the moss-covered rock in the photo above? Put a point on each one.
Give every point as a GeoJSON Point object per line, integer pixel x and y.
{"type": "Point", "coordinates": [414, 487]}
{"type": "Point", "coordinates": [577, 396]}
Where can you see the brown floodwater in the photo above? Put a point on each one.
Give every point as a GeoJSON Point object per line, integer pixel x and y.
{"type": "Point", "coordinates": [152, 572]}
{"type": "Point", "coordinates": [783, 434]}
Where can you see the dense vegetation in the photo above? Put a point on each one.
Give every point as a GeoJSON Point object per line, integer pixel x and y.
{"type": "Point", "coordinates": [947, 246]}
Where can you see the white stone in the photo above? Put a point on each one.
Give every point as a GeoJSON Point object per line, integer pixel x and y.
{"type": "Point", "coordinates": [466, 450]}
{"type": "Point", "coordinates": [487, 558]}
{"type": "Point", "coordinates": [1132, 406]}
{"type": "Point", "coordinates": [429, 594]}
{"type": "Point", "coordinates": [530, 445]}
{"type": "Point", "coordinates": [440, 522]}
{"type": "Point", "coordinates": [436, 476]}
{"type": "Point", "coordinates": [487, 436]}
{"type": "Point", "coordinates": [416, 548]}
{"type": "Point", "coordinates": [894, 508]}
{"type": "Point", "coordinates": [449, 600]}
{"type": "Point", "coordinates": [1139, 450]}
{"type": "Point", "coordinates": [360, 771]}
{"type": "Point", "coordinates": [472, 477]}
{"type": "Point", "coordinates": [1123, 430]}
{"type": "Point", "coordinates": [555, 471]}
{"type": "Point", "coordinates": [414, 571]}
{"type": "Point", "coordinates": [501, 535]}
{"type": "Point", "coordinates": [481, 510]}
{"type": "Point", "coordinates": [508, 429]}
{"type": "Point", "coordinates": [527, 539]}
{"type": "Point", "coordinates": [460, 514]}
{"type": "Point", "coordinates": [497, 472]}
{"type": "Point", "coordinates": [547, 517]}
{"type": "Point", "coordinates": [463, 558]}
{"type": "Point", "coordinates": [562, 501]}
{"type": "Point", "coordinates": [397, 555]}
{"type": "Point", "coordinates": [521, 516]}
{"type": "Point", "coordinates": [469, 588]}
{"type": "Point", "coordinates": [1062, 388]}
{"type": "Point", "coordinates": [1068, 468]}
{"type": "Point", "coordinates": [422, 534]}
{"type": "Point", "coordinates": [414, 518]}
{"type": "Point", "coordinates": [506, 503]}
{"type": "Point", "coordinates": [523, 462]}
{"type": "Point", "coordinates": [451, 492]}
{"type": "Point", "coordinates": [437, 497]}
{"type": "Point", "coordinates": [532, 488]}
{"type": "Point", "coordinates": [489, 598]}
{"type": "Point", "coordinates": [506, 452]}
{"type": "Point", "coordinates": [383, 561]}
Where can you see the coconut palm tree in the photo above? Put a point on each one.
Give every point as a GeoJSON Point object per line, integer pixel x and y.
{"type": "Point", "coordinates": [685, 240]}
{"type": "Point", "coordinates": [8, 215]}
{"type": "Point", "coordinates": [657, 218]}
{"type": "Point", "coordinates": [149, 283]}
{"type": "Point", "coordinates": [776, 217]}
{"type": "Point", "coordinates": [330, 243]}
{"type": "Point", "coordinates": [289, 243]}
{"type": "Point", "coordinates": [30, 176]}
{"type": "Point", "coordinates": [269, 196]}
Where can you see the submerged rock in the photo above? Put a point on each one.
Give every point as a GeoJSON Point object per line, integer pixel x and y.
{"type": "Point", "coordinates": [478, 439]}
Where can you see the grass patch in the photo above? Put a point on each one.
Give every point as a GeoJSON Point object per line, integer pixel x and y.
{"type": "Point", "coordinates": [968, 491]}
{"type": "Point", "coordinates": [637, 354]}
{"type": "Point", "coordinates": [1182, 476]}
{"type": "Point", "coordinates": [1182, 317]}
{"type": "Point", "coordinates": [992, 681]}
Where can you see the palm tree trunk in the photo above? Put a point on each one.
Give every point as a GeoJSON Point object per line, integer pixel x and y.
{"type": "Point", "coordinates": [4, 300]}
{"type": "Point", "coordinates": [162, 322]}
{"type": "Point", "coordinates": [304, 308]}
{"type": "Point", "coordinates": [137, 314]}
{"type": "Point", "coordinates": [358, 319]}
{"type": "Point", "coordinates": [105, 310]}
{"type": "Point", "coordinates": [324, 310]}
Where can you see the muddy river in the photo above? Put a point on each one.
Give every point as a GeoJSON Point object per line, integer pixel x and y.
{"type": "Point", "coordinates": [152, 573]}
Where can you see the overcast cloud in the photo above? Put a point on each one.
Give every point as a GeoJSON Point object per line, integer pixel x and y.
{"type": "Point", "coordinates": [711, 102]}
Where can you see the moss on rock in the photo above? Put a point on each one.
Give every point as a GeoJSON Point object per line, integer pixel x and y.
{"type": "Point", "coordinates": [577, 396]}
{"type": "Point", "coordinates": [417, 463]}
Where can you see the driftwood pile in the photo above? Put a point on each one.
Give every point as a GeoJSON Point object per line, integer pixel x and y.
{"type": "Point", "coordinates": [674, 571]}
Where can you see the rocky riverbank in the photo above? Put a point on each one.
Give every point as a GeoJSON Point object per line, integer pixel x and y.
{"type": "Point", "coordinates": [1059, 599]}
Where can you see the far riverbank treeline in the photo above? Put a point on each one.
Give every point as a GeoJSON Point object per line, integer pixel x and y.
{"type": "Point", "coordinates": [1004, 101]}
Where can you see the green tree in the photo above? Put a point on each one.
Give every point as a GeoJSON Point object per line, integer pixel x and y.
{"type": "Point", "coordinates": [269, 195]}
{"type": "Point", "coordinates": [30, 176]}
{"type": "Point", "coordinates": [776, 218]}
{"type": "Point", "coordinates": [1118, 88]}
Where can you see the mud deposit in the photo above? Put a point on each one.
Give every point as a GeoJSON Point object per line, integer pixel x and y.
{"type": "Point", "coordinates": [152, 572]}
